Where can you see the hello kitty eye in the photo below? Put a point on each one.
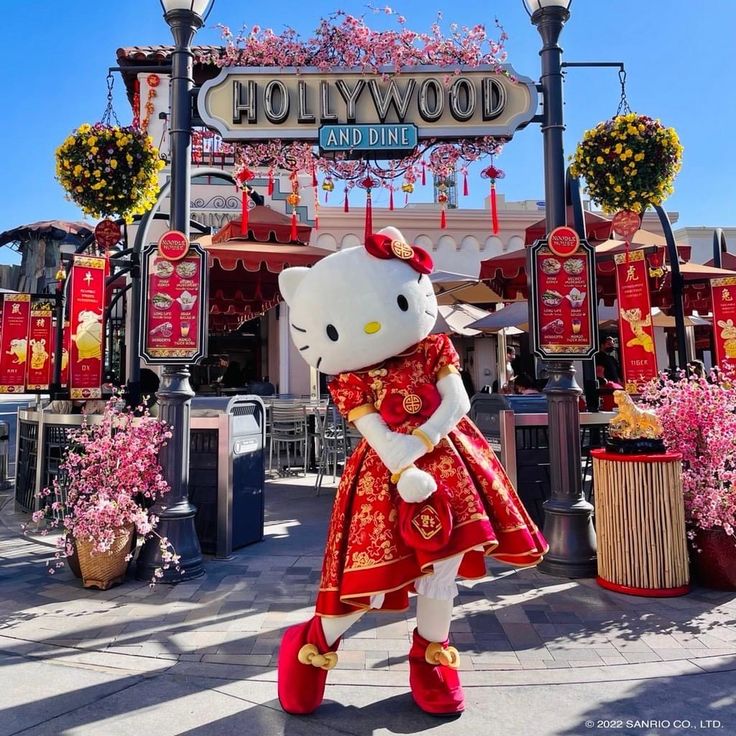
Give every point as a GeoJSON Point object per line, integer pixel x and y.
{"type": "Point", "coordinates": [332, 333]}
{"type": "Point", "coordinates": [402, 302]}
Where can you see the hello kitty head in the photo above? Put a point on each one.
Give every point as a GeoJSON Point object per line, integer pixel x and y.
{"type": "Point", "coordinates": [360, 306]}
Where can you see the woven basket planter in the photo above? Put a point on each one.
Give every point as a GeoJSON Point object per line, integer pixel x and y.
{"type": "Point", "coordinates": [104, 569]}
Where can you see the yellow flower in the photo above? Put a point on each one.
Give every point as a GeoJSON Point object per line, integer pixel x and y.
{"type": "Point", "coordinates": [599, 160]}
{"type": "Point", "coordinates": [618, 148]}
{"type": "Point", "coordinates": [113, 163]}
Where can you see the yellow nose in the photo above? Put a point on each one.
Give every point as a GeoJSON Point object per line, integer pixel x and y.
{"type": "Point", "coordinates": [371, 327]}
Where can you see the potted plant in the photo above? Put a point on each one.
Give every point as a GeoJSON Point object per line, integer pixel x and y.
{"type": "Point", "coordinates": [108, 479]}
{"type": "Point", "coordinates": [109, 170]}
{"type": "Point", "coordinates": [698, 415]}
{"type": "Point", "coordinates": [628, 162]}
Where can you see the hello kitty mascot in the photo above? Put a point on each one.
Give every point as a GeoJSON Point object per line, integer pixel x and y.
{"type": "Point", "coordinates": [423, 498]}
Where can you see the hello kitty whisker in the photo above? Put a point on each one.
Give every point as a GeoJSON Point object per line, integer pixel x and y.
{"type": "Point", "coordinates": [318, 362]}
{"type": "Point", "coordinates": [306, 347]}
{"type": "Point", "coordinates": [299, 329]}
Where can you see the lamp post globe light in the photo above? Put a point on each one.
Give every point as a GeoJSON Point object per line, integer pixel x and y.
{"type": "Point", "coordinates": [568, 517]}
{"type": "Point", "coordinates": [185, 18]}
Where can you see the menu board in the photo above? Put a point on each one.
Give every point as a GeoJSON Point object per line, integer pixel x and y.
{"type": "Point", "coordinates": [38, 376]}
{"type": "Point", "coordinates": [564, 301]}
{"type": "Point", "coordinates": [14, 343]}
{"type": "Point", "coordinates": [175, 307]}
{"type": "Point", "coordinates": [723, 293]}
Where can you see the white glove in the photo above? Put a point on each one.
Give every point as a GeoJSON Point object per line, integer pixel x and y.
{"type": "Point", "coordinates": [416, 485]}
{"type": "Point", "coordinates": [453, 407]}
{"type": "Point", "coordinates": [397, 451]}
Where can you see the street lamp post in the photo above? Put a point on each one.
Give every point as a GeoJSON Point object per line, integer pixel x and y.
{"type": "Point", "coordinates": [568, 517]}
{"type": "Point", "coordinates": [185, 18]}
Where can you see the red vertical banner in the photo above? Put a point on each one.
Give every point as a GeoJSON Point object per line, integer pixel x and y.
{"type": "Point", "coordinates": [86, 320]}
{"type": "Point", "coordinates": [14, 343]}
{"type": "Point", "coordinates": [723, 299]}
{"type": "Point", "coordinates": [64, 352]}
{"type": "Point", "coordinates": [40, 347]}
{"type": "Point", "coordinates": [636, 333]}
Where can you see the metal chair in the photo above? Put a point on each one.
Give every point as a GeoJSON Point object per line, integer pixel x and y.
{"type": "Point", "coordinates": [288, 428]}
{"type": "Point", "coordinates": [332, 444]}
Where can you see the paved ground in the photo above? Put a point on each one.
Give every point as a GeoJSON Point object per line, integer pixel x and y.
{"type": "Point", "coordinates": [541, 655]}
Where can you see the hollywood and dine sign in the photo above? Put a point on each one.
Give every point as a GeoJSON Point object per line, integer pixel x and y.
{"type": "Point", "coordinates": [348, 111]}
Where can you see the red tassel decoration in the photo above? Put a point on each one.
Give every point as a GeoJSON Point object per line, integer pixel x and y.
{"type": "Point", "coordinates": [292, 234]}
{"type": "Point", "coordinates": [269, 189]}
{"type": "Point", "coordinates": [314, 176]}
{"type": "Point", "coordinates": [443, 220]}
{"type": "Point", "coordinates": [391, 198]}
{"type": "Point", "coordinates": [492, 174]}
{"type": "Point", "coordinates": [406, 200]}
{"type": "Point", "coordinates": [368, 214]}
{"type": "Point", "coordinates": [346, 203]}
{"type": "Point", "coordinates": [244, 212]}
{"type": "Point", "coordinates": [494, 209]}
{"type": "Point", "coordinates": [466, 191]}
{"type": "Point", "coordinates": [424, 173]}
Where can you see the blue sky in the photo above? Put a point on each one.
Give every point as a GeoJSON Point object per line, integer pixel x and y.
{"type": "Point", "coordinates": [678, 55]}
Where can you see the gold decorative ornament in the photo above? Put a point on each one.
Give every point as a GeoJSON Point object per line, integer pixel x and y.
{"type": "Point", "coordinates": [412, 404]}
{"type": "Point", "coordinates": [437, 654]}
{"type": "Point", "coordinates": [632, 422]}
{"type": "Point", "coordinates": [309, 654]}
{"type": "Point", "coordinates": [402, 250]}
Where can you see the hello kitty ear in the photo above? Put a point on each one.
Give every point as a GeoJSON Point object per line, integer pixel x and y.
{"type": "Point", "coordinates": [393, 233]}
{"type": "Point", "coordinates": [289, 280]}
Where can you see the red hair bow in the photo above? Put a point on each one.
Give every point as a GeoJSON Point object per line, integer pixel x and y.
{"type": "Point", "coordinates": [381, 246]}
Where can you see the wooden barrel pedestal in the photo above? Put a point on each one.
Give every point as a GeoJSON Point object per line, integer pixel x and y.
{"type": "Point", "coordinates": [640, 524]}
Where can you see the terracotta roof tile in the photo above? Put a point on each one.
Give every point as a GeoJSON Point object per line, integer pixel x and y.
{"type": "Point", "coordinates": [161, 53]}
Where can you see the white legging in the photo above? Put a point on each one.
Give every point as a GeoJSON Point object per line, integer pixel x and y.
{"type": "Point", "coordinates": [435, 597]}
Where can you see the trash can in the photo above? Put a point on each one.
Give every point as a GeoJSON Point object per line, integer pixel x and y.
{"type": "Point", "coordinates": [640, 524]}
{"type": "Point", "coordinates": [227, 471]}
{"type": "Point", "coordinates": [526, 458]}
{"type": "Point", "coordinates": [4, 445]}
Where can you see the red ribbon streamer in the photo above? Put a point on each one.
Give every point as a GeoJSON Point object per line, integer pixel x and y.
{"type": "Point", "coordinates": [424, 173]}
{"type": "Point", "coordinates": [494, 209]}
{"type": "Point", "coordinates": [391, 199]}
{"type": "Point", "coordinates": [443, 219]}
{"type": "Point", "coordinates": [368, 215]}
{"type": "Point", "coordinates": [466, 190]}
{"type": "Point", "coordinates": [269, 189]}
{"type": "Point", "coordinates": [244, 212]}
{"type": "Point", "coordinates": [346, 203]}
{"type": "Point", "coordinates": [314, 177]}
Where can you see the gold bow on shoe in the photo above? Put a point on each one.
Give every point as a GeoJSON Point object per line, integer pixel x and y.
{"type": "Point", "coordinates": [437, 654]}
{"type": "Point", "coordinates": [309, 654]}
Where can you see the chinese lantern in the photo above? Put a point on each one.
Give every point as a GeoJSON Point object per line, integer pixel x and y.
{"type": "Point", "coordinates": [443, 199]}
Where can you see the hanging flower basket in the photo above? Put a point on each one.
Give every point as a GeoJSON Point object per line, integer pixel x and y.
{"type": "Point", "coordinates": [628, 162]}
{"type": "Point", "coordinates": [109, 170]}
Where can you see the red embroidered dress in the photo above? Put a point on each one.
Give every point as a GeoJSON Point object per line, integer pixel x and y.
{"type": "Point", "coordinates": [365, 553]}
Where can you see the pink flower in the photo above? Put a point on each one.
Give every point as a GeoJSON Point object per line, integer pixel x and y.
{"type": "Point", "coordinates": [699, 420]}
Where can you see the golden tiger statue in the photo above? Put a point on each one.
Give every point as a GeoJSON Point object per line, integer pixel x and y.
{"type": "Point", "coordinates": [633, 422]}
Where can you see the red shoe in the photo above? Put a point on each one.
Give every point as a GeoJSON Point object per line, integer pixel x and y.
{"type": "Point", "coordinates": [304, 660]}
{"type": "Point", "coordinates": [433, 677]}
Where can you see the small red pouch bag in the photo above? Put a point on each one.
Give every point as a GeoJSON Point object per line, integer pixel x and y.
{"type": "Point", "coordinates": [426, 525]}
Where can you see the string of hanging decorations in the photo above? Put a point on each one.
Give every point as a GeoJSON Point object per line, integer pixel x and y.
{"type": "Point", "coordinates": [343, 40]}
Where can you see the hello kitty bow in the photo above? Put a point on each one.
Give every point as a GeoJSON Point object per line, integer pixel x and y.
{"type": "Point", "coordinates": [381, 246]}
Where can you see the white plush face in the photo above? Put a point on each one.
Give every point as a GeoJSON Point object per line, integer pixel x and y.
{"type": "Point", "coordinates": [352, 310]}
